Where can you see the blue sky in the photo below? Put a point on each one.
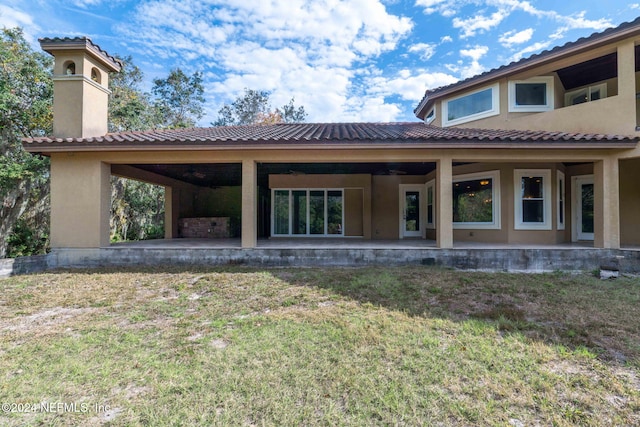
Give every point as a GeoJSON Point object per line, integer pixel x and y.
{"type": "Point", "coordinates": [343, 60]}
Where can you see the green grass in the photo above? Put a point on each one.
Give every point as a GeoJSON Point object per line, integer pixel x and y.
{"type": "Point", "coordinates": [340, 346]}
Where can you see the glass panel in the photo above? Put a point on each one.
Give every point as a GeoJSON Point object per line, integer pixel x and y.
{"type": "Point", "coordinates": [281, 212]}
{"type": "Point", "coordinates": [334, 212]}
{"type": "Point", "coordinates": [316, 212]}
{"type": "Point", "coordinates": [472, 201]}
{"type": "Point", "coordinates": [561, 201]}
{"type": "Point", "coordinates": [532, 187]}
{"type": "Point", "coordinates": [532, 210]}
{"type": "Point", "coordinates": [531, 94]}
{"type": "Point", "coordinates": [595, 94]}
{"type": "Point", "coordinates": [579, 97]}
{"type": "Point", "coordinates": [430, 205]}
{"type": "Point", "coordinates": [587, 208]}
{"type": "Point", "coordinates": [412, 211]}
{"type": "Point", "coordinates": [299, 212]}
{"type": "Point", "coordinates": [471, 104]}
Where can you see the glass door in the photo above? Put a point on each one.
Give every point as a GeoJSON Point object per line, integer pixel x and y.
{"type": "Point", "coordinates": [584, 207]}
{"type": "Point", "coordinates": [411, 211]}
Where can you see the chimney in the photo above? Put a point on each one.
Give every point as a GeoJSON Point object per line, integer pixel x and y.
{"type": "Point", "coordinates": [80, 86]}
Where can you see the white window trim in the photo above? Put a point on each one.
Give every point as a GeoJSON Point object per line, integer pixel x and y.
{"type": "Point", "coordinates": [514, 108]}
{"type": "Point", "coordinates": [590, 88]}
{"type": "Point", "coordinates": [495, 200]}
{"type": "Point", "coordinates": [561, 184]}
{"type": "Point", "coordinates": [494, 111]}
{"type": "Point", "coordinates": [431, 185]}
{"type": "Point", "coordinates": [326, 207]}
{"type": "Point", "coordinates": [546, 198]}
{"type": "Point", "coordinates": [428, 120]}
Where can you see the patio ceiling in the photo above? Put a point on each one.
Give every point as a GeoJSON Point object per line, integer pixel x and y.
{"type": "Point", "coordinates": [230, 174]}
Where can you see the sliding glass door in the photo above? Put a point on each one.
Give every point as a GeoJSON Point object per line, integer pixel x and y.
{"type": "Point", "coordinates": [303, 212]}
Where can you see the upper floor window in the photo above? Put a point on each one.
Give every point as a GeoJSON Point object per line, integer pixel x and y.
{"type": "Point", "coordinates": [471, 106]}
{"type": "Point", "coordinates": [429, 118]}
{"type": "Point", "coordinates": [532, 95]}
{"type": "Point", "coordinates": [585, 94]}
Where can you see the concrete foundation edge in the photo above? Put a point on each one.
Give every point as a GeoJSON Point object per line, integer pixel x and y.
{"type": "Point", "coordinates": [510, 260]}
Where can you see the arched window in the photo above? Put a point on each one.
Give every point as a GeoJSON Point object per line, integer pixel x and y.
{"type": "Point", "coordinates": [69, 68]}
{"type": "Point", "coordinates": [95, 75]}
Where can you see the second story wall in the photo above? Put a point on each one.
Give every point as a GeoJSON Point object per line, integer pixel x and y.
{"type": "Point", "coordinates": [602, 84]}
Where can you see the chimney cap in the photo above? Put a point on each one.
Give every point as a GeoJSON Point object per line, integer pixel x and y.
{"type": "Point", "coordinates": [50, 45]}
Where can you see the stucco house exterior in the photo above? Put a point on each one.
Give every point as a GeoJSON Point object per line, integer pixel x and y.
{"type": "Point", "coordinates": [543, 151]}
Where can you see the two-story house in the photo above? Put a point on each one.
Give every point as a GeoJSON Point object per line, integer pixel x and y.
{"type": "Point", "coordinates": [543, 151]}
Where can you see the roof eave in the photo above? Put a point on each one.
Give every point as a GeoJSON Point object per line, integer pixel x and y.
{"type": "Point", "coordinates": [49, 148]}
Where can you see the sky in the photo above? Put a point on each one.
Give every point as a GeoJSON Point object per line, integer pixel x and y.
{"type": "Point", "coordinates": [343, 60]}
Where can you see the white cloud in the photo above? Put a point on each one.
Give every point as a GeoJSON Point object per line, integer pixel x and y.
{"type": "Point", "coordinates": [10, 18]}
{"type": "Point", "coordinates": [446, 39]}
{"type": "Point", "coordinates": [473, 68]}
{"type": "Point", "coordinates": [425, 50]}
{"type": "Point", "coordinates": [307, 49]}
{"type": "Point", "coordinates": [471, 26]}
{"type": "Point", "coordinates": [536, 47]}
{"type": "Point", "coordinates": [510, 38]}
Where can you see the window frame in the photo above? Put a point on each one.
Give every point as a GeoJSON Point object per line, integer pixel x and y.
{"type": "Point", "coordinates": [431, 116]}
{"type": "Point", "coordinates": [589, 89]}
{"type": "Point", "coordinates": [496, 223]}
{"type": "Point", "coordinates": [561, 201]}
{"type": "Point", "coordinates": [307, 212]}
{"type": "Point", "coordinates": [549, 106]}
{"type": "Point", "coordinates": [493, 111]}
{"type": "Point", "coordinates": [430, 186]}
{"type": "Point", "coordinates": [519, 224]}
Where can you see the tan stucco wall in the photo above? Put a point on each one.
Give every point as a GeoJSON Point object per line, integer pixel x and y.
{"type": "Point", "coordinates": [80, 105]}
{"type": "Point", "coordinates": [630, 202]}
{"type": "Point", "coordinates": [80, 202]}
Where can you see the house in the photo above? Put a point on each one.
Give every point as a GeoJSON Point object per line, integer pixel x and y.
{"type": "Point", "coordinates": [543, 151]}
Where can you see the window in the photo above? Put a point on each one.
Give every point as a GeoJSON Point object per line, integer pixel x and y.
{"type": "Point", "coordinates": [303, 212]}
{"type": "Point", "coordinates": [472, 106]}
{"type": "Point", "coordinates": [431, 203]}
{"type": "Point", "coordinates": [476, 201]}
{"type": "Point", "coordinates": [69, 68]}
{"type": "Point", "coordinates": [429, 118]}
{"type": "Point", "coordinates": [95, 75]}
{"type": "Point", "coordinates": [561, 200]}
{"type": "Point", "coordinates": [531, 95]}
{"type": "Point", "coordinates": [586, 94]}
{"type": "Point", "coordinates": [532, 199]}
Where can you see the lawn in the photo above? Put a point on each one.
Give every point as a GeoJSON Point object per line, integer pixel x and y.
{"type": "Point", "coordinates": [341, 346]}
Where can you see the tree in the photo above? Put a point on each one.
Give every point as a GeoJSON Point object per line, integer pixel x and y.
{"type": "Point", "coordinates": [26, 97]}
{"type": "Point", "coordinates": [130, 109]}
{"type": "Point", "coordinates": [254, 108]}
{"type": "Point", "coordinates": [179, 99]}
{"type": "Point", "coordinates": [137, 208]}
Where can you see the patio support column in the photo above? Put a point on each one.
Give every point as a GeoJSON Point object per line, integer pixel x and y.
{"type": "Point", "coordinates": [80, 201]}
{"type": "Point", "coordinates": [606, 209]}
{"type": "Point", "coordinates": [171, 212]}
{"type": "Point", "coordinates": [444, 203]}
{"type": "Point", "coordinates": [249, 204]}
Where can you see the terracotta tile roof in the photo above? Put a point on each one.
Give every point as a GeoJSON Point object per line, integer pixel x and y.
{"type": "Point", "coordinates": [606, 36]}
{"type": "Point", "coordinates": [56, 43]}
{"type": "Point", "coordinates": [329, 134]}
